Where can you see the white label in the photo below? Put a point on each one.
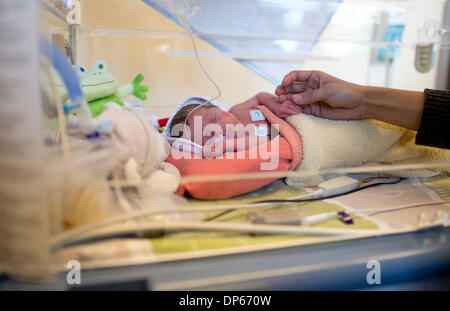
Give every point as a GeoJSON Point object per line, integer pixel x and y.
{"type": "Point", "coordinates": [257, 115]}
{"type": "Point", "coordinates": [261, 130]}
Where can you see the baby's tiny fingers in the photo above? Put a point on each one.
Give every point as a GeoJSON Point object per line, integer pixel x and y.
{"type": "Point", "coordinates": [282, 98]}
{"type": "Point", "coordinates": [293, 112]}
{"type": "Point", "coordinates": [286, 109]}
{"type": "Point", "coordinates": [294, 98]}
{"type": "Point", "coordinates": [293, 107]}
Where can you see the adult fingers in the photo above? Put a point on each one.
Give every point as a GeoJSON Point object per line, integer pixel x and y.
{"type": "Point", "coordinates": [307, 109]}
{"type": "Point", "coordinates": [313, 109]}
{"type": "Point", "coordinates": [313, 96]}
{"type": "Point", "coordinates": [325, 111]}
{"type": "Point", "coordinates": [296, 87]}
{"type": "Point", "coordinates": [339, 113]}
{"type": "Point", "coordinates": [296, 76]}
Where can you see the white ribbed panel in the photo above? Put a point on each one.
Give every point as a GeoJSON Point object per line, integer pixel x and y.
{"type": "Point", "coordinates": [24, 233]}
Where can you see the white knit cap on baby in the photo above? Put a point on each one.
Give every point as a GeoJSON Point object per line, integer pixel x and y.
{"type": "Point", "coordinates": [193, 100]}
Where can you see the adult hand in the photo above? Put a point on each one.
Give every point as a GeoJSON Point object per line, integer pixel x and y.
{"type": "Point", "coordinates": [322, 95]}
{"type": "Point", "coordinates": [325, 96]}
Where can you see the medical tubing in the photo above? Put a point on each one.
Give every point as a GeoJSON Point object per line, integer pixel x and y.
{"type": "Point", "coordinates": [60, 113]}
{"type": "Point", "coordinates": [191, 35]}
{"type": "Point", "coordinates": [62, 239]}
{"type": "Point", "coordinates": [62, 65]}
{"type": "Point", "coordinates": [294, 200]}
{"type": "Point", "coordinates": [185, 24]}
{"type": "Point", "coordinates": [310, 197]}
{"type": "Point", "coordinates": [173, 226]}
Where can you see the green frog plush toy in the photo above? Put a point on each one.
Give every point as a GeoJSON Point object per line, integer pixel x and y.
{"type": "Point", "coordinates": [100, 87]}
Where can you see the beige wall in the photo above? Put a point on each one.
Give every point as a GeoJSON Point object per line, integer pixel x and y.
{"type": "Point", "coordinates": [170, 78]}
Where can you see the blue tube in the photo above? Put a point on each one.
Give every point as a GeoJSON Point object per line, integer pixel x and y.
{"type": "Point", "coordinates": [64, 68]}
{"type": "Point", "coordinates": [70, 79]}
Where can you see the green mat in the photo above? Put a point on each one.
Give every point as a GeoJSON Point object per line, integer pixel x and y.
{"type": "Point", "coordinates": [195, 244]}
{"type": "Point", "coordinates": [201, 241]}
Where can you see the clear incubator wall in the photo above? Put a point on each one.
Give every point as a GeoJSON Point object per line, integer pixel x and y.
{"type": "Point", "coordinates": [364, 42]}
{"type": "Point", "coordinates": [133, 37]}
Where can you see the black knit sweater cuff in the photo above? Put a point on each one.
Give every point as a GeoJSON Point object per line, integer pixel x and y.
{"type": "Point", "coordinates": [434, 129]}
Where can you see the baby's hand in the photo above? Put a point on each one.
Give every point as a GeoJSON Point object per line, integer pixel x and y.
{"type": "Point", "coordinates": [282, 110]}
{"type": "Point", "coordinates": [285, 109]}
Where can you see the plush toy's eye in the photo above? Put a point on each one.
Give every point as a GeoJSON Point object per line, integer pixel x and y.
{"type": "Point", "coordinates": [81, 71]}
{"type": "Point", "coordinates": [101, 65]}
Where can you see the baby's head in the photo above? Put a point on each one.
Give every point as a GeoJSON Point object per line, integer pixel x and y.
{"type": "Point", "coordinates": [208, 119]}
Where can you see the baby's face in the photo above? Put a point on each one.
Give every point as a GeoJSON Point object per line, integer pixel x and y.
{"type": "Point", "coordinates": [210, 121]}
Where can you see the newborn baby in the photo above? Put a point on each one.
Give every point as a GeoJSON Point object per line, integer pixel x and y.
{"type": "Point", "coordinates": [240, 128]}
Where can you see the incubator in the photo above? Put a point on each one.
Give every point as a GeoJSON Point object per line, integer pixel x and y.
{"type": "Point", "coordinates": [88, 180]}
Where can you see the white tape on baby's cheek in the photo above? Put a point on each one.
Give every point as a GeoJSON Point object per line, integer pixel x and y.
{"type": "Point", "coordinates": [257, 115]}
{"type": "Point", "coordinates": [187, 146]}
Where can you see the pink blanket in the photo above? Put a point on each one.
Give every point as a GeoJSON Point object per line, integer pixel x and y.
{"type": "Point", "coordinates": [289, 156]}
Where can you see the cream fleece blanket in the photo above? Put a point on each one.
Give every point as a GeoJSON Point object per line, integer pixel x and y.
{"type": "Point", "coordinates": [336, 144]}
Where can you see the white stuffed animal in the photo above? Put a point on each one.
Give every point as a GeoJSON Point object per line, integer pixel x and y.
{"type": "Point", "coordinates": [147, 149]}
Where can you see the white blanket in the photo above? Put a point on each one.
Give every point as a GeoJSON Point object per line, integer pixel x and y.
{"type": "Point", "coordinates": [336, 144]}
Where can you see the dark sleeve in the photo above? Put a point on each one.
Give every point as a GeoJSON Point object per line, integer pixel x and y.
{"type": "Point", "coordinates": [434, 129]}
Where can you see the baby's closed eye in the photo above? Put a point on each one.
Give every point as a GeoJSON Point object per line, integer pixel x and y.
{"type": "Point", "coordinates": [211, 116]}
